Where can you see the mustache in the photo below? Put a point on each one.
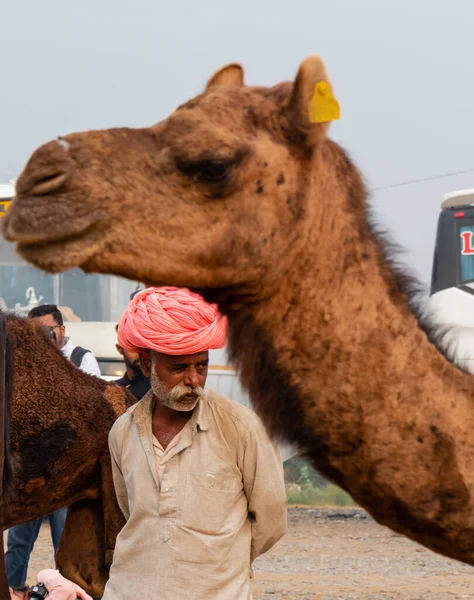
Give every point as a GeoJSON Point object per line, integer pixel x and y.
{"type": "Point", "coordinates": [183, 390]}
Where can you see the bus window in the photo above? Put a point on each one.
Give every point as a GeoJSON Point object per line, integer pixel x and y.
{"type": "Point", "coordinates": [466, 241]}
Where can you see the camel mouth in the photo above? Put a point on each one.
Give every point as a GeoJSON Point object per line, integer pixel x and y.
{"type": "Point", "coordinates": [48, 184]}
{"type": "Point", "coordinates": [44, 239]}
{"type": "Point", "coordinates": [61, 253]}
{"type": "Point", "coordinates": [36, 228]}
{"type": "Point", "coordinates": [49, 218]}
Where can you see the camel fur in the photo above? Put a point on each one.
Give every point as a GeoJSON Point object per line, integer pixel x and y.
{"type": "Point", "coordinates": [6, 389]}
{"type": "Point", "coordinates": [59, 423]}
{"type": "Point", "coordinates": [240, 196]}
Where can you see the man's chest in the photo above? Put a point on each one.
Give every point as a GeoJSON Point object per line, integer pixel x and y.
{"type": "Point", "coordinates": [166, 433]}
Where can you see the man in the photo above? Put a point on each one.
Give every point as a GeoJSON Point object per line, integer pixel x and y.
{"type": "Point", "coordinates": [22, 538]}
{"type": "Point", "coordinates": [50, 317]}
{"type": "Point", "coordinates": [197, 479]}
{"type": "Point", "coordinates": [133, 380]}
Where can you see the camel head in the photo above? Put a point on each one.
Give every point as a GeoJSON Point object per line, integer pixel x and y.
{"type": "Point", "coordinates": [224, 181]}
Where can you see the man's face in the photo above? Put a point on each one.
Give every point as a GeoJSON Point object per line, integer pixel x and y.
{"type": "Point", "coordinates": [55, 331]}
{"type": "Point", "coordinates": [177, 381]}
{"type": "Point", "coordinates": [131, 359]}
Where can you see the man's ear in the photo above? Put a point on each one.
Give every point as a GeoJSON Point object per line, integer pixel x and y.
{"type": "Point", "coordinates": [311, 106]}
{"type": "Point", "coordinates": [119, 349]}
{"type": "Point", "coordinates": [145, 363]}
{"type": "Point", "coordinates": [232, 74]}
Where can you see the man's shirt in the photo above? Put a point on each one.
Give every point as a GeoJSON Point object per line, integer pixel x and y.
{"type": "Point", "coordinates": [88, 364]}
{"type": "Point", "coordinates": [198, 512]}
{"type": "Point", "coordinates": [138, 385]}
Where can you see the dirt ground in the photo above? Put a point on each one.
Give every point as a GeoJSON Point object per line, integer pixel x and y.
{"type": "Point", "coordinates": [340, 554]}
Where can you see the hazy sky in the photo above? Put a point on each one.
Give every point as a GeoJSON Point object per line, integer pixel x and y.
{"type": "Point", "coordinates": [402, 70]}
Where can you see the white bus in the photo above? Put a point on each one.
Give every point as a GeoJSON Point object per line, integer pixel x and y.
{"type": "Point", "coordinates": [451, 301]}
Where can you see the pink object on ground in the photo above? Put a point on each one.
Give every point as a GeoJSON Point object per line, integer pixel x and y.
{"type": "Point", "coordinates": [59, 587]}
{"type": "Point", "coordinates": [171, 321]}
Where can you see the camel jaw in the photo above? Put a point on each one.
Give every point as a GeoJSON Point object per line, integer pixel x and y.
{"type": "Point", "coordinates": [53, 244]}
{"type": "Point", "coordinates": [56, 256]}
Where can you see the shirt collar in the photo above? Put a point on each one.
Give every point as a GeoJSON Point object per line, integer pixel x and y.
{"type": "Point", "coordinates": [143, 410]}
{"type": "Point", "coordinates": [68, 346]}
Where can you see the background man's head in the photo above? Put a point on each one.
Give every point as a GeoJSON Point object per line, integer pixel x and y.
{"type": "Point", "coordinates": [131, 359]}
{"type": "Point", "coordinates": [172, 329]}
{"type": "Point", "coordinates": [49, 317]}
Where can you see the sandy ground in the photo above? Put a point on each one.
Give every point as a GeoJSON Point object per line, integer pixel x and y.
{"type": "Point", "coordinates": [340, 554]}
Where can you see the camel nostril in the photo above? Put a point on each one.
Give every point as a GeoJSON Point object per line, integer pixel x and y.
{"type": "Point", "coordinates": [48, 184]}
{"type": "Point", "coordinates": [47, 171]}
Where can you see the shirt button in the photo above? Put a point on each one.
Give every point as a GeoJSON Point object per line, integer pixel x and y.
{"type": "Point", "coordinates": [167, 489]}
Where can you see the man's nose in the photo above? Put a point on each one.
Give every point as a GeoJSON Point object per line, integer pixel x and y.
{"type": "Point", "coordinates": [191, 377]}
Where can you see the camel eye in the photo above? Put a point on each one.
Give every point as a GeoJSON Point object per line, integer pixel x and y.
{"type": "Point", "coordinates": [213, 171]}
{"type": "Point", "coordinates": [207, 171]}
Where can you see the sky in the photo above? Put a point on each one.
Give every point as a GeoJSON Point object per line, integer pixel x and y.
{"type": "Point", "coordinates": [402, 72]}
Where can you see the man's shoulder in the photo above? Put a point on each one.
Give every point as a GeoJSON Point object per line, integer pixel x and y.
{"type": "Point", "coordinates": [80, 351]}
{"type": "Point", "coordinates": [123, 381]}
{"type": "Point", "coordinates": [122, 423]}
{"type": "Point", "coordinates": [228, 409]}
{"type": "Point", "coordinates": [77, 354]}
{"type": "Point", "coordinates": [83, 358]}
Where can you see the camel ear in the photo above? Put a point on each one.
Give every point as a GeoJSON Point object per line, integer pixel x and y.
{"type": "Point", "coordinates": [232, 74]}
{"type": "Point", "coordinates": [312, 105]}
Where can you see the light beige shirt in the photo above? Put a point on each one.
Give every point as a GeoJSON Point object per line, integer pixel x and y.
{"type": "Point", "coordinates": [221, 503]}
{"type": "Point", "coordinates": [162, 455]}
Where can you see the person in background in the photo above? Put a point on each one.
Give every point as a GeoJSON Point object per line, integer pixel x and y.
{"type": "Point", "coordinates": [21, 539]}
{"type": "Point", "coordinates": [133, 380]}
{"type": "Point", "coordinates": [57, 587]}
{"type": "Point", "coordinates": [197, 478]}
{"type": "Point", "coordinates": [50, 317]}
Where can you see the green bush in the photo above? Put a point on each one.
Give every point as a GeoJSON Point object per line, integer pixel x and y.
{"type": "Point", "coordinates": [331, 495]}
{"type": "Point", "coordinates": [306, 486]}
{"type": "Point", "coordinates": [299, 471]}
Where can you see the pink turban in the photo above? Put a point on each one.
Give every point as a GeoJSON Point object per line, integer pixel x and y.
{"type": "Point", "coordinates": [171, 321]}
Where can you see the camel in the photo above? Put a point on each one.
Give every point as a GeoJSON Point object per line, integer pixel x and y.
{"type": "Point", "coordinates": [57, 451]}
{"type": "Point", "coordinates": [241, 196]}
{"type": "Point", "coordinates": [6, 385]}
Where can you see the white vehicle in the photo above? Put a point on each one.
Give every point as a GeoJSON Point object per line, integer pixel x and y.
{"type": "Point", "coordinates": [451, 302]}
{"type": "Point", "coordinates": [91, 306]}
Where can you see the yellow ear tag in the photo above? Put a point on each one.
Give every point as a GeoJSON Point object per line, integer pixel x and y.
{"type": "Point", "coordinates": [323, 106]}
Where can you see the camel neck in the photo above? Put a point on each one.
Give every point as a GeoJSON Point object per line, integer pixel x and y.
{"type": "Point", "coordinates": [337, 363]}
